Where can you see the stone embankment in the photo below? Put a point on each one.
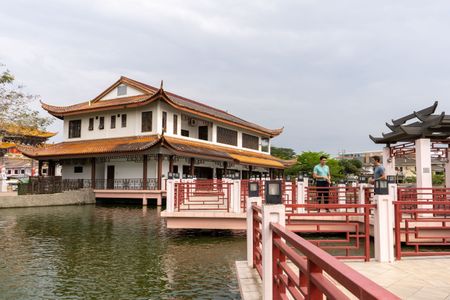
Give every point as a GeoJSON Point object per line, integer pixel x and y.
{"type": "Point", "coordinates": [66, 198]}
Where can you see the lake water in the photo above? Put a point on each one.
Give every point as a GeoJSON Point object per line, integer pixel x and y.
{"type": "Point", "coordinates": [112, 252]}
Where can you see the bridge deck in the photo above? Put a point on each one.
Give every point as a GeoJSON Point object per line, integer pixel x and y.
{"type": "Point", "coordinates": [411, 278]}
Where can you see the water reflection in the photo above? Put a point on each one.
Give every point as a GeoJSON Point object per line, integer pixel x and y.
{"type": "Point", "coordinates": [81, 252]}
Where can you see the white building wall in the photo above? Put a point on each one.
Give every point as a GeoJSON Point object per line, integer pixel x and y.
{"type": "Point", "coordinates": [67, 172]}
{"type": "Point", "coordinates": [130, 92]}
{"type": "Point", "coordinates": [134, 125]}
{"type": "Point", "coordinates": [133, 128]}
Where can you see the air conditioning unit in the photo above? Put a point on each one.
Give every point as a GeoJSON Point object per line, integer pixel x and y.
{"type": "Point", "coordinates": [192, 122]}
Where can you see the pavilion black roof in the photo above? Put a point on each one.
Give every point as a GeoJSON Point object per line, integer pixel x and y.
{"type": "Point", "coordinates": [424, 124]}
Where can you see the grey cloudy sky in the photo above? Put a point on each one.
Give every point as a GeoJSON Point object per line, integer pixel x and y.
{"type": "Point", "coordinates": [331, 72]}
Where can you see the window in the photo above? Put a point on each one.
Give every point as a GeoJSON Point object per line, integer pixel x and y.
{"type": "Point", "coordinates": [250, 141]}
{"type": "Point", "coordinates": [146, 121]}
{"type": "Point", "coordinates": [91, 124]}
{"type": "Point", "coordinates": [16, 171]}
{"type": "Point", "coordinates": [164, 121]}
{"type": "Point", "coordinates": [44, 171]}
{"type": "Point", "coordinates": [124, 120]}
{"type": "Point", "coordinates": [74, 129]}
{"type": "Point", "coordinates": [101, 124]}
{"type": "Point", "coordinates": [265, 144]}
{"type": "Point", "coordinates": [22, 171]}
{"type": "Point", "coordinates": [203, 133]}
{"type": "Point", "coordinates": [226, 136]}
{"type": "Point", "coordinates": [9, 171]}
{"type": "Point", "coordinates": [113, 122]}
{"type": "Point", "coordinates": [78, 169]}
{"type": "Point", "coordinates": [175, 124]}
{"type": "Point", "coordinates": [185, 132]}
{"type": "Point", "coordinates": [121, 90]}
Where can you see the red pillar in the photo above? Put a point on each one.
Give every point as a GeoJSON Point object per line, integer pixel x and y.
{"type": "Point", "coordinates": [144, 171]}
{"type": "Point", "coordinates": [160, 161]}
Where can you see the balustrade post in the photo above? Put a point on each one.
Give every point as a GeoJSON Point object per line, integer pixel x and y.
{"type": "Point", "coordinates": [250, 201]}
{"type": "Point", "coordinates": [170, 198]}
{"type": "Point", "coordinates": [302, 193]}
{"type": "Point", "coordinates": [384, 227]}
{"type": "Point", "coordinates": [271, 213]}
{"type": "Point", "coordinates": [236, 196]}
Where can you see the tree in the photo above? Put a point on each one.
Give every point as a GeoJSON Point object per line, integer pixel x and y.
{"type": "Point", "coordinates": [308, 159]}
{"type": "Point", "coordinates": [15, 104]}
{"type": "Point", "coordinates": [350, 166]}
{"type": "Point", "coordinates": [283, 153]}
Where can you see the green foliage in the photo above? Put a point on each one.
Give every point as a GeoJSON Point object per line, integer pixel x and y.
{"type": "Point", "coordinates": [350, 166]}
{"type": "Point", "coordinates": [283, 153]}
{"type": "Point", "coordinates": [308, 159]}
{"type": "Point", "coordinates": [438, 179]}
{"type": "Point", "coordinates": [15, 104]}
{"type": "Point", "coordinates": [410, 179]}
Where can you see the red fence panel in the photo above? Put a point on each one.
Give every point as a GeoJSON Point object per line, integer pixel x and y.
{"type": "Point", "coordinates": [422, 228]}
{"type": "Point", "coordinates": [307, 276]}
{"type": "Point", "coordinates": [257, 238]}
{"type": "Point", "coordinates": [203, 195]}
{"type": "Point", "coordinates": [332, 195]}
{"type": "Point", "coordinates": [344, 228]}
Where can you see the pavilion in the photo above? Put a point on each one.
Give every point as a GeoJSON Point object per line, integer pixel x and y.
{"type": "Point", "coordinates": [422, 133]}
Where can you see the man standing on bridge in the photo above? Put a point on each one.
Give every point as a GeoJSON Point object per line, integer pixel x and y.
{"type": "Point", "coordinates": [378, 171]}
{"type": "Point", "coordinates": [322, 176]}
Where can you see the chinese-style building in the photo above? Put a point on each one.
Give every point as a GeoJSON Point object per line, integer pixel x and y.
{"type": "Point", "coordinates": [12, 163]}
{"type": "Point", "coordinates": [138, 133]}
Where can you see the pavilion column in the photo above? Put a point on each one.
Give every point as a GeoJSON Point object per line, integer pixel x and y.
{"type": "Point", "coordinates": [51, 168]}
{"type": "Point", "coordinates": [423, 163]}
{"type": "Point", "coordinates": [192, 167]}
{"type": "Point", "coordinates": [32, 167]}
{"type": "Point", "coordinates": [225, 168]}
{"type": "Point", "coordinates": [160, 162]}
{"type": "Point", "coordinates": [93, 172]}
{"type": "Point", "coordinates": [250, 170]}
{"type": "Point", "coordinates": [144, 171]}
{"type": "Point", "coordinates": [171, 164]}
{"type": "Point", "coordinates": [40, 163]}
{"type": "Point", "coordinates": [388, 162]}
{"type": "Point", "coordinates": [447, 170]}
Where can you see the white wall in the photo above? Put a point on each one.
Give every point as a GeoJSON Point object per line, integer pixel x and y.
{"type": "Point", "coordinates": [67, 172]}
{"type": "Point", "coordinates": [130, 92]}
{"type": "Point", "coordinates": [133, 128]}
{"type": "Point", "coordinates": [134, 125]}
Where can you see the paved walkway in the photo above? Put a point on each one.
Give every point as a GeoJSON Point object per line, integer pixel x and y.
{"type": "Point", "coordinates": [411, 278]}
{"type": "Point", "coordinates": [8, 194]}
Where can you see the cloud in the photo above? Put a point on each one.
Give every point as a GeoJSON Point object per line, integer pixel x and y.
{"type": "Point", "coordinates": [331, 72]}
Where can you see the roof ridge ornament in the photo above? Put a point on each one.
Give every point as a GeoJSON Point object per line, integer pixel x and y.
{"type": "Point", "coordinates": [162, 85]}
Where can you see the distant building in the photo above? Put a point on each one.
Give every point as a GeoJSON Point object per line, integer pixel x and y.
{"type": "Point", "coordinates": [405, 166]}
{"type": "Point", "coordinates": [12, 163]}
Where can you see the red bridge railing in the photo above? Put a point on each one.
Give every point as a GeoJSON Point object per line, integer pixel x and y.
{"type": "Point", "coordinates": [423, 227]}
{"type": "Point", "coordinates": [332, 195]}
{"type": "Point", "coordinates": [344, 228]}
{"type": "Point", "coordinates": [257, 237]}
{"type": "Point", "coordinates": [303, 271]}
{"type": "Point", "coordinates": [203, 195]}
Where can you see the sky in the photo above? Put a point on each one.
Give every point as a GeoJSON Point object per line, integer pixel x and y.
{"type": "Point", "coordinates": [329, 72]}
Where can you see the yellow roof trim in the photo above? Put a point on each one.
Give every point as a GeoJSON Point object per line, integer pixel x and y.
{"type": "Point", "coordinates": [257, 161]}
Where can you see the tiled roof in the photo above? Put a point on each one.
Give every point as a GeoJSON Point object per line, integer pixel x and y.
{"type": "Point", "coordinates": [242, 156]}
{"type": "Point", "coordinates": [151, 94]}
{"type": "Point", "coordinates": [178, 146]}
{"type": "Point", "coordinates": [91, 147]}
{"type": "Point", "coordinates": [6, 145]}
{"type": "Point", "coordinates": [12, 129]}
